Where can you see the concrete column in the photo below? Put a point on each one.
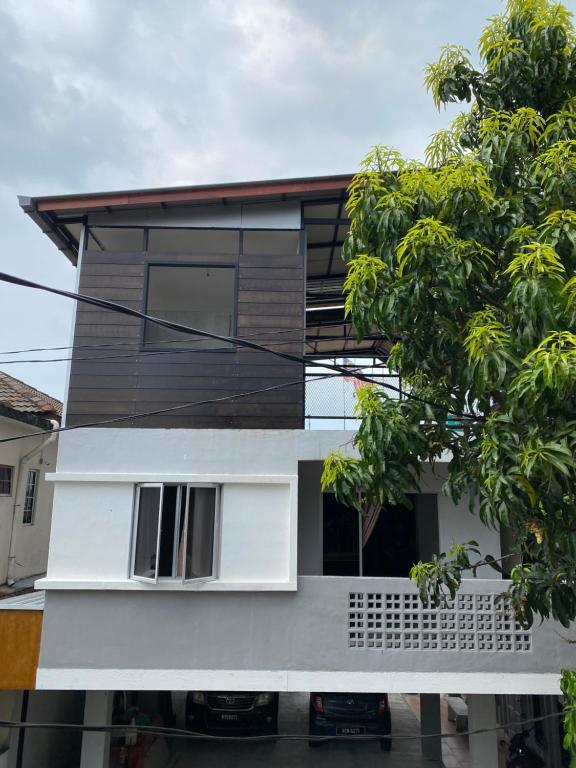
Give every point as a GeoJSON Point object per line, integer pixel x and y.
{"type": "Point", "coordinates": [483, 746]}
{"type": "Point", "coordinates": [96, 746]}
{"type": "Point", "coordinates": [430, 722]}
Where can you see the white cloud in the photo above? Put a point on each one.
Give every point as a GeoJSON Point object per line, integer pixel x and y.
{"type": "Point", "coordinates": [102, 94]}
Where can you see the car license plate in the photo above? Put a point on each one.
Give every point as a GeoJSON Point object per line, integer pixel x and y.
{"type": "Point", "coordinates": [228, 717]}
{"type": "Point", "coordinates": [356, 731]}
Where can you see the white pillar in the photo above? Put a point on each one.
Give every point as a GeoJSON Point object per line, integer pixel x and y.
{"type": "Point", "coordinates": [483, 746]}
{"type": "Point", "coordinates": [96, 746]}
{"type": "Point", "coordinates": [430, 722]}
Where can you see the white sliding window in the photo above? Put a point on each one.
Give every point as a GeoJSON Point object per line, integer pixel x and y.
{"type": "Point", "coordinates": [176, 532]}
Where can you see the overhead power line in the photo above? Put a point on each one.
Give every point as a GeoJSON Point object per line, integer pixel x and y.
{"type": "Point", "coordinates": [180, 733]}
{"type": "Point", "coordinates": [246, 343]}
{"type": "Point", "coordinates": [255, 334]}
{"type": "Point", "coordinates": [161, 411]}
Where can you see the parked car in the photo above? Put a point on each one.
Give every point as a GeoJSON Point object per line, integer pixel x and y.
{"type": "Point", "coordinates": [350, 714]}
{"type": "Point", "coordinates": [235, 713]}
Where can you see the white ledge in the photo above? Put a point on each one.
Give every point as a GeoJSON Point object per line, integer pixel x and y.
{"type": "Point", "coordinates": [147, 477]}
{"type": "Point", "coordinates": [166, 586]}
{"type": "Point", "coordinates": [295, 680]}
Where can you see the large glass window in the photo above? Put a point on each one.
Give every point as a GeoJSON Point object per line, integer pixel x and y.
{"type": "Point", "coordinates": [202, 297]}
{"type": "Point", "coordinates": [175, 532]}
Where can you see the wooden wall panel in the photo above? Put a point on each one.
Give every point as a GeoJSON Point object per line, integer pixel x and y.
{"type": "Point", "coordinates": [111, 382]}
{"type": "Point", "coordinates": [20, 643]}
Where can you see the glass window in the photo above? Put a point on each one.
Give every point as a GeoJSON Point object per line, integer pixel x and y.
{"type": "Point", "coordinates": [272, 243]}
{"type": "Point", "coordinates": [6, 480]}
{"type": "Point", "coordinates": [147, 528]}
{"type": "Point", "coordinates": [175, 532]}
{"type": "Point", "coordinates": [203, 242]}
{"type": "Point", "coordinates": [200, 532]}
{"type": "Point", "coordinates": [201, 297]}
{"type": "Point", "coordinates": [119, 239]}
{"type": "Point", "coordinates": [30, 497]}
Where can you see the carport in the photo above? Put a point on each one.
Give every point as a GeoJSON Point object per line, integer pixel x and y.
{"type": "Point", "coordinates": [293, 718]}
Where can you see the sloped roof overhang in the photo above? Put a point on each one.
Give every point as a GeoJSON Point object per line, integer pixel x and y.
{"type": "Point", "coordinates": [53, 213]}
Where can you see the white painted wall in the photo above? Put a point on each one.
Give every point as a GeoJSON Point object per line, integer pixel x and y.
{"type": "Point", "coordinates": [255, 532]}
{"type": "Point", "coordinates": [258, 471]}
{"type": "Point", "coordinates": [456, 525]}
{"type": "Point", "coordinates": [92, 531]}
{"type": "Point", "coordinates": [29, 542]}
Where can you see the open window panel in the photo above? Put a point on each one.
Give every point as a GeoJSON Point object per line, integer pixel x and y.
{"type": "Point", "coordinates": [382, 543]}
{"type": "Point", "coordinates": [176, 532]}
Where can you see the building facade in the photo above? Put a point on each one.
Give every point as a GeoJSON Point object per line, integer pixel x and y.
{"type": "Point", "coordinates": [25, 496]}
{"type": "Point", "coordinates": [205, 555]}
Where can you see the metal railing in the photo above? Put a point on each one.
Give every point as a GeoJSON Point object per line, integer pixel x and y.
{"type": "Point", "coordinates": [330, 402]}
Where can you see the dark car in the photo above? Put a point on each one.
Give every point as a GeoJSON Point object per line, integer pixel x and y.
{"type": "Point", "coordinates": [350, 714]}
{"type": "Point", "coordinates": [221, 712]}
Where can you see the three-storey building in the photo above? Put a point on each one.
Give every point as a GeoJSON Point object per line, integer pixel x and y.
{"type": "Point", "coordinates": [192, 546]}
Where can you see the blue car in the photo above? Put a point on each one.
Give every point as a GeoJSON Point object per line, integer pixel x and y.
{"type": "Point", "coordinates": [350, 714]}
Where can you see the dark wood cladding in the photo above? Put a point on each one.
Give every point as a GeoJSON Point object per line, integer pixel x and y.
{"type": "Point", "coordinates": [125, 380]}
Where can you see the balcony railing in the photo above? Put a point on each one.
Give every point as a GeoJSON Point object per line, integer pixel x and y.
{"type": "Point", "coordinates": [330, 399]}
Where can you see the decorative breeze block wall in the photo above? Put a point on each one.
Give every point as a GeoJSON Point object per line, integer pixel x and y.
{"type": "Point", "coordinates": [398, 621]}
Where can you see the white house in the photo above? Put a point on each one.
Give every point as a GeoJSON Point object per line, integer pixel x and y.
{"type": "Point", "coordinates": [192, 547]}
{"type": "Point", "coordinates": [25, 496]}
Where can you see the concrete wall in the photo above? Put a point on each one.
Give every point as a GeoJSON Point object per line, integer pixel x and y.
{"type": "Point", "coordinates": [286, 641]}
{"type": "Point", "coordinates": [256, 543]}
{"type": "Point", "coordinates": [259, 471]}
{"type": "Point", "coordinates": [29, 542]}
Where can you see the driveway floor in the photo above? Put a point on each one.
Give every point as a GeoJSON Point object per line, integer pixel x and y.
{"type": "Point", "coordinates": [293, 718]}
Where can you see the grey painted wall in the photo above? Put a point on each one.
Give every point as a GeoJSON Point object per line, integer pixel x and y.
{"type": "Point", "coordinates": [303, 630]}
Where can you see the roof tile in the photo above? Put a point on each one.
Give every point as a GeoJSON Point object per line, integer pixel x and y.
{"type": "Point", "coordinates": [21, 397]}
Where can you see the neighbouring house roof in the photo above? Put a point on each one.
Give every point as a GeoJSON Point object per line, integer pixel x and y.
{"type": "Point", "coordinates": [22, 402]}
{"type": "Point", "coordinates": [25, 601]}
{"type": "Point", "coordinates": [60, 217]}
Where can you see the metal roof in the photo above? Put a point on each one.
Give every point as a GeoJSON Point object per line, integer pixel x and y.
{"type": "Point", "coordinates": [27, 601]}
{"type": "Point", "coordinates": [53, 214]}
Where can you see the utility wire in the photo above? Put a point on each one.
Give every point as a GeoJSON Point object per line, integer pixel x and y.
{"type": "Point", "coordinates": [184, 734]}
{"type": "Point", "coordinates": [144, 353]}
{"type": "Point", "coordinates": [160, 411]}
{"type": "Point", "coordinates": [114, 344]}
{"type": "Point", "coordinates": [105, 304]}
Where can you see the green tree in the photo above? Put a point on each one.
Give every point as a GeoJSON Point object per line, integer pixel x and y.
{"type": "Point", "coordinates": [467, 263]}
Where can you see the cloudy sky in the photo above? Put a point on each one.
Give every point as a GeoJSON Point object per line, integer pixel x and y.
{"type": "Point", "coordinates": [115, 94]}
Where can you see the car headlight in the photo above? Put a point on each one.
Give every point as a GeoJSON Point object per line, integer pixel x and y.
{"type": "Point", "coordinates": [198, 697]}
{"type": "Point", "coordinates": [263, 699]}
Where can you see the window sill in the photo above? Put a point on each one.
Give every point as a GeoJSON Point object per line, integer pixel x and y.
{"type": "Point", "coordinates": [166, 586]}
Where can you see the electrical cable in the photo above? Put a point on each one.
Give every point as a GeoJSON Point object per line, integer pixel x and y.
{"type": "Point", "coordinates": [160, 411]}
{"type": "Point", "coordinates": [114, 344]}
{"type": "Point", "coordinates": [105, 304]}
{"type": "Point", "coordinates": [144, 353]}
{"type": "Point", "coordinates": [180, 733]}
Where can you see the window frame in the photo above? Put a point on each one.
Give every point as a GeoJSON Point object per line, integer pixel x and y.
{"type": "Point", "coordinates": [11, 481]}
{"type": "Point", "coordinates": [153, 346]}
{"type": "Point", "coordinates": [216, 540]}
{"type": "Point", "coordinates": [31, 513]}
{"type": "Point", "coordinates": [135, 519]}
